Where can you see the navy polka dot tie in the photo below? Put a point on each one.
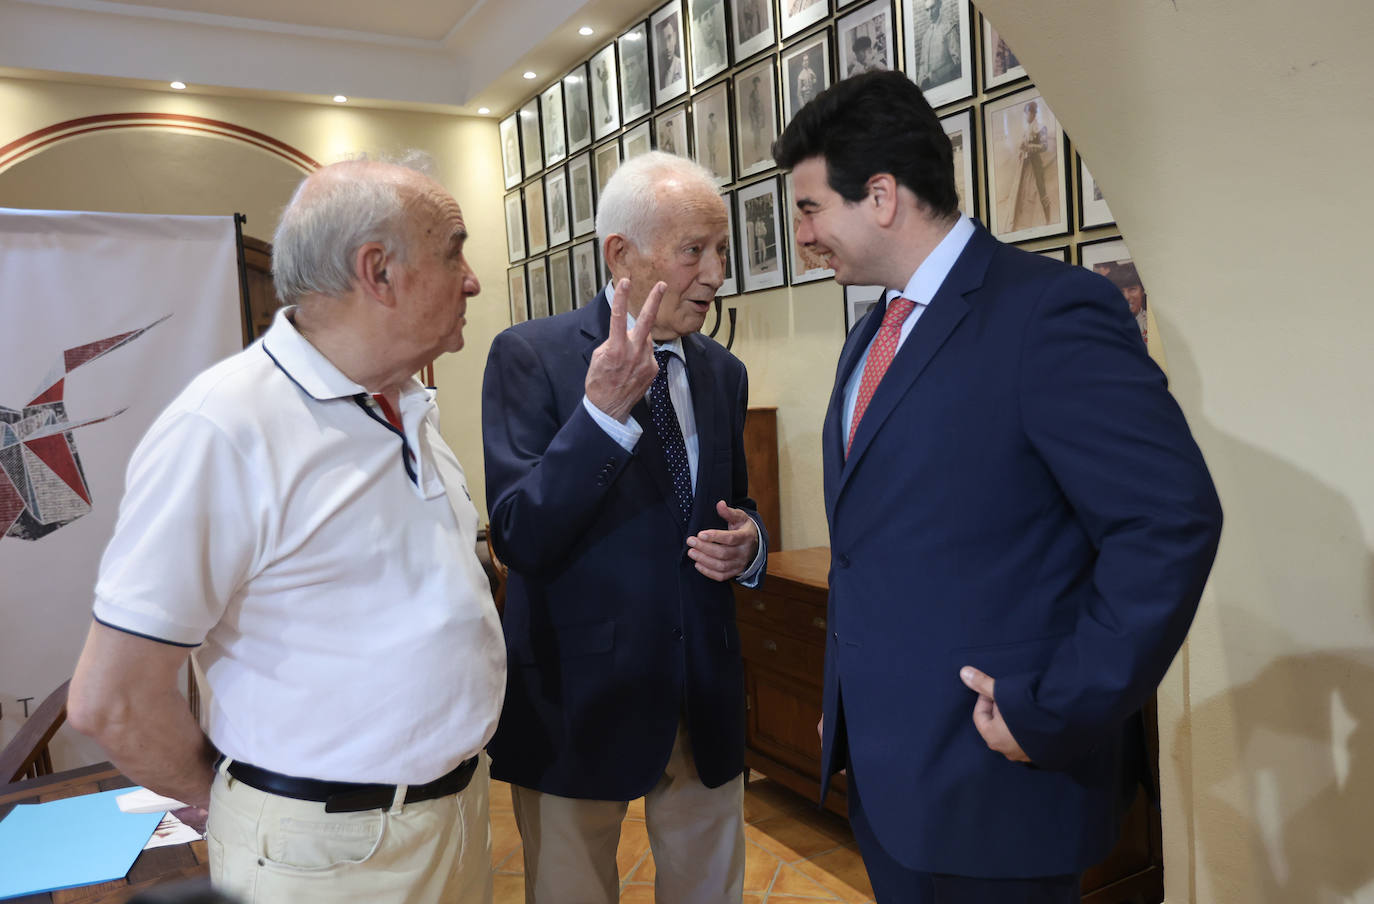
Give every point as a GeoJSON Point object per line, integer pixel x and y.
{"type": "Point", "coordinates": [670, 434]}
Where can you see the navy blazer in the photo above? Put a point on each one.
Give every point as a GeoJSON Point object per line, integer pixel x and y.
{"type": "Point", "coordinates": [612, 633]}
{"type": "Point", "coordinates": [1023, 495]}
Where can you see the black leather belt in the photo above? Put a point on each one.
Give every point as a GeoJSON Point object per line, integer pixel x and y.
{"type": "Point", "coordinates": [350, 797]}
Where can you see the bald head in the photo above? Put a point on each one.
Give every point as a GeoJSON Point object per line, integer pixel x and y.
{"type": "Point", "coordinates": [338, 209]}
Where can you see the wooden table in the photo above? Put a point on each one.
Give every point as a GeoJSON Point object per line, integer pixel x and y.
{"type": "Point", "coordinates": [165, 864]}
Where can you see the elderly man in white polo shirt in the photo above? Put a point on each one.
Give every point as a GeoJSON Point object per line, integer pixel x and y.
{"type": "Point", "coordinates": [295, 517]}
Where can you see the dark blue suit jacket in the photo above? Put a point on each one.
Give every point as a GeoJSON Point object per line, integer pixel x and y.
{"type": "Point", "coordinates": [612, 633]}
{"type": "Point", "coordinates": [1023, 495]}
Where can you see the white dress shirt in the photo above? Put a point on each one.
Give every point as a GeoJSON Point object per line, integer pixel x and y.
{"type": "Point", "coordinates": [921, 288]}
{"type": "Point", "coordinates": [680, 394]}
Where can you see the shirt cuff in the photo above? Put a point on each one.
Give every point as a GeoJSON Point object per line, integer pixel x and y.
{"type": "Point", "coordinates": [751, 576]}
{"type": "Point", "coordinates": [626, 435]}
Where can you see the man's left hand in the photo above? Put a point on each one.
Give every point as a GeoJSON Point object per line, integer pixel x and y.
{"type": "Point", "coordinates": [987, 718]}
{"type": "Point", "coordinates": [725, 554]}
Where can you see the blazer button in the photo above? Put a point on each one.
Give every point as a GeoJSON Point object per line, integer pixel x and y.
{"type": "Point", "coordinates": [610, 462]}
{"type": "Point", "coordinates": [677, 634]}
{"type": "Point", "coordinates": [602, 480]}
{"type": "Point", "coordinates": [842, 560]}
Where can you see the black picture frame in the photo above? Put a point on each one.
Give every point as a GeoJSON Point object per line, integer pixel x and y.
{"type": "Point", "coordinates": [577, 108]}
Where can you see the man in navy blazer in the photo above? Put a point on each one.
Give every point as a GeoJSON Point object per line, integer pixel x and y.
{"type": "Point", "coordinates": [1020, 524]}
{"type": "Point", "coordinates": [623, 519]}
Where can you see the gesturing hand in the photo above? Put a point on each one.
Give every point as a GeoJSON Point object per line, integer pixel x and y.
{"type": "Point", "coordinates": [623, 366]}
{"type": "Point", "coordinates": [987, 718]}
{"type": "Point", "coordinates": [724, 554]}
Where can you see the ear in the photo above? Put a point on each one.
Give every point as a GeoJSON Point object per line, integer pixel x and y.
{"type": "Point", "coordinates": [882, 194]}
{"type": "Point", "coordinates": [617, 251]}
{"type": "Point", "coordinates": [370, 270]}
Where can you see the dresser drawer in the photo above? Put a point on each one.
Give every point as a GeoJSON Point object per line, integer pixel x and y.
{"type": "Point", "coordinates": [802, 620]}
{"type": "Point", "coordinates": [782, 653]}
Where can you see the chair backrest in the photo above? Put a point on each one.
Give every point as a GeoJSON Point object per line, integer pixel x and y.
{"type": "Point", "coordinates": [26, 755]}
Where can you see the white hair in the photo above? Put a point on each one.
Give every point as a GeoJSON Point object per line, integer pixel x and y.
{"type": "Point", "coordinates": [629, 203]}
{"type": "Point", "coordinates": [328, 220]}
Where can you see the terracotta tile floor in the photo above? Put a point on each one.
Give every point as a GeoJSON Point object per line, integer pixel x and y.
{"type": "Point", "coordinates": [793, 852]}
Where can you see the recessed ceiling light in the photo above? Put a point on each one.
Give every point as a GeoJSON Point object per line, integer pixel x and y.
{"type": "Point", "coordinates": [483, 111]}
{"type": "Point", "coordinates": [179, 86]}
{"type": "Point", "coordinates": [585, 30]}
{"type": "Point", "coordinates": [530, 75]}
{"type": "Point", "coordinates": [340, 99]}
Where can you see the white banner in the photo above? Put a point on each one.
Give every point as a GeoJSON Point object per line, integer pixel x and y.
{"type": "Point", "coordinates": [103, 319]}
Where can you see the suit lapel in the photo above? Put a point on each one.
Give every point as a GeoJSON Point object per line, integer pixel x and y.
{"type": "Point", "coordinates": [704, 400]}
{"type": "Point", "coordinates": [941, 317]}
{"type": "Point", "coordinates": [596, 324]}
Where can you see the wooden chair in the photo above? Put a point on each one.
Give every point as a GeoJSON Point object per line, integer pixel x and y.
{"type": "Point", "coordinates": [496, 569]}
{"type": "Point", "coordinates": [26, 755]}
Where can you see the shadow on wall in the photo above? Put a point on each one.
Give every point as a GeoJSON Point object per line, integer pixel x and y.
{"type": "Point", "coordinates": [1282, 762]}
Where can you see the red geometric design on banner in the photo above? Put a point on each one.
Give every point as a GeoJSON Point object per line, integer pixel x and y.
{"type": "Point", "coordinates": [75, 357]}
{"type": "Point", "coordinates": [52, 394]}
{"type": "Point", "coordinates": [11, 504]}
{"type": "Point", "coordinates": [54, 452]}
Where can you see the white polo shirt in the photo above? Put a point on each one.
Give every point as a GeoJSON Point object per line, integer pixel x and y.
{"type": "Point", "coordinates": [346, 627]}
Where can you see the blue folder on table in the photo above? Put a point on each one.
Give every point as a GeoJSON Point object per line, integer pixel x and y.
{"type": "Point", "coordinates": [72, 842]}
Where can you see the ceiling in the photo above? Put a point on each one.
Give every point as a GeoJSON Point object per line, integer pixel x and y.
{"type": "Point", "coordinates": [455, 56]}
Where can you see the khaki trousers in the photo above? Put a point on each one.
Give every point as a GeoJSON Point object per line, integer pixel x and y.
{"type": "Point", "coordinates": [696, 835]}
{"type": "Point", "coordinates": [266, 849]}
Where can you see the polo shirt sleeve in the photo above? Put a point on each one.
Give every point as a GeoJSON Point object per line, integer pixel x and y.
{"type": "Point", "coordinates": [187, 536]}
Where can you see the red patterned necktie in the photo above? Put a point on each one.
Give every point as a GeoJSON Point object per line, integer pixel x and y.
{"type": "Point", "coordinates": [880, 355]}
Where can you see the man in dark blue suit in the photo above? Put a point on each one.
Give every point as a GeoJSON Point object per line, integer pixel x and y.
{"type": "Point", "coordinates": [1020, 523]}
{"type": "Point", "coordinates": [623, 519]}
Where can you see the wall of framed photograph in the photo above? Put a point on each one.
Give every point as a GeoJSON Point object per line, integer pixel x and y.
{"type": "Point", "coordinates": [717, 80]}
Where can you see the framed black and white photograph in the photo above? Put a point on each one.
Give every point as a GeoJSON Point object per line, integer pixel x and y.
{"type": "Point", "coordinates": [560, 282]}
{"type": "Point", "coordinates": [805, 73]}
{"type": "Point", "coordinates": [1000, 65]}
{"type": "Point", "coordinates": [537, 276]}
{"type": "Point", "coordinates": [863, 39]}
{"type": "Point", "coordinates": [577, 107]}
{"type": "Point", "coordinates": [515, 227]}
{"type": "Point", "coordinates": [636, 97]}
{"type": "Point", "coordinates": [580, 195]}
{"type": "Point", "coordinates": [535, 218]}
{"type": "Point", "coordinates": [556, 200]}
{"type": "Point", "coordinates": [710, 53]}
{"type": "Point", "coordinates": [529, 137]}
{"type": "Point", "coordinates": [551, 107]}
{"type": "Point", "coordinates": [607, 160]}
{"type": "Point", "coordinates": [754, 30]}
{"type": "Point", "coordinates": [858, 301]}
{"type": "Point", "coordinates": [585, 282]}
{"type": "Point", "coordinates": [795, 15]}
{"type": "Point", "coordinates": [1058, 252]}
{"type": "Point", "coordinates": [605, 92]}
{"type": "Point", "coordinates": [1092, 206]}
{"type": "Point", "coordinates": [670, 54]}
{"type": "Point", "coordinates": [510, 150]}
{"type": "Point", "coordinates": [730, 285]}
{"type": "Point", "coordinates": [1027, 179]}
{"type": "Point", "coordinates": [938, 48]}
{"type": "Point", "coordinates": [670, 130]}
{"type": "Point", "coordinates": [637, 140]}
{"type": "Point", "coordinates": [711, 129]}
{"type": "Point", "coordinates": [807, 265]}
{"type": "Point", "coordinates": [519, 298]}
{"type": "Point", "coordinates": [959, 128]}
{"type": "Point", "coordinates": [760, 234]}
{"type": "Point", "coordinates": [1111, 258]}
{"type": "Point", "coordinates": [756, 117]}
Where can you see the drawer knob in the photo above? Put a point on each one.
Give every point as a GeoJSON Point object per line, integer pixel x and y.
{"type": "Point", "coordinates": [760, 605]}
{"type": "Point", "coordinates": [818, 622]}
{"type": "Point", "coordinates": [770, 645]}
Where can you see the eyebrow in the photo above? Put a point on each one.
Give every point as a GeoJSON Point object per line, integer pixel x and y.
{"type": "Point", "coordinates": [806, 203]}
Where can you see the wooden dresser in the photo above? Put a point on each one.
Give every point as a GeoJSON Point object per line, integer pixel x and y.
{"type": "Point", "coordinates": [782, 636]}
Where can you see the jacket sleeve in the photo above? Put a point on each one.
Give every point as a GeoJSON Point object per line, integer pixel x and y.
{"type": "Point", "coordinates": [547, 471]}
{"type": "Point", "coordinates": [1098, 412]}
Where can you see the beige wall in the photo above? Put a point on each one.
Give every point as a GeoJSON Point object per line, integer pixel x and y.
{"type": "Point", "coordinates": [1233, 140]}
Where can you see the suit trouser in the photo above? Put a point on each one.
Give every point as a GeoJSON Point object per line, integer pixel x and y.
{"type": "Point", "coordinates": [894, 883]}
{"type": "Point", "coordinates": [269, 849]}
{"type": "Point", "coordinates": [696, 834]}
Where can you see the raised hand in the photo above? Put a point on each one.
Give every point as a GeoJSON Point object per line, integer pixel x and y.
{"type": "Point", "coordinates": [623, 366]}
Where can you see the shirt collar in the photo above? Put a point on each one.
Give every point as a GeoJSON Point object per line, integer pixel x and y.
{"type": "Point", "coordinates": [928, 278]}
{"type": "Point", "coordinates": [673, 345]}
{"type": "Point", "coordinates": [307, 366]}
